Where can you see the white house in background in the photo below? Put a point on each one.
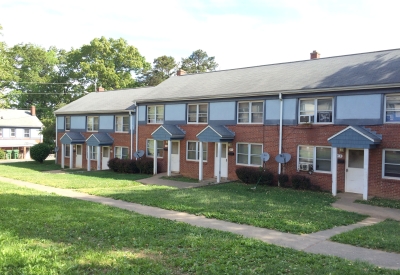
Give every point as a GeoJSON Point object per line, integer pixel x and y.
{"type": "Point", "coordinates": [19, 130]}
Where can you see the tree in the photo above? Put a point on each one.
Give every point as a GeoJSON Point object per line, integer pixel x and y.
{"type": "Point", "coordinates": [107, 63]}
{"type": "Point", "coordinates": [163, 67]}
{"type": "Point", "coordinates": [7, 72]}
{"type": "Point", "coordinates": [199, 62]}
{"type": "Point", "coordinates": [40, 152]}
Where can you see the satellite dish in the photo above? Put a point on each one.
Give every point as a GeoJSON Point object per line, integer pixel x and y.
{"type": "Point", "coordinates": [283, 158]}
{"type": "Point", "coordinates": [265, 156]}
{"type": "Point", "coordinates": [56, 149]}
{"type": "Point", "coordinates": [138, 154]}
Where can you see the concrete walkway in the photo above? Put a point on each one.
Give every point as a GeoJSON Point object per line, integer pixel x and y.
{"type": "Point", "coordinates": [312, 243]}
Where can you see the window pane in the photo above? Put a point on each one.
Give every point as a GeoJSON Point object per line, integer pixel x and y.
{"type": "Point", "coordinates": [243, 159]}
{"type": "Point", "coordinates": [307, 107]}
{"type": "Point", "coordinates": [356, 159]}
{"type": "Point", "coordinates": [244, 107]}
{"type": "Point", "coordinates": [192, 155]}
{"type": "Point", "coordinates": [306, 154]}
{"type": "Point", "coordinates": [203, 108]}
{"type": "Point", "coordinates": [243, 149]}
{"type": "Point", "coordinates": [256, 117]}
{"type": "Point", "coordinates": [256, 149]}
{"type": "Point", "coordinates": [255, 160]}
{"type": "Point", "coordinates": [392, 170]}
{"type": "Point", "coordinates": [257, 107]}
{"type": "Point", "coordinates": [323, 159]}
{"type": "Point", "coordinates": [325, 104]}
{"type": "Point", "coordinates": [243, 117]}
{"type": "Point", "coordinates": [392, 157]}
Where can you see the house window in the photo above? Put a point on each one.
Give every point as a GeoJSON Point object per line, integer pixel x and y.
{"type": "Point", "coordinates": [67, 150]}
{"type": "Point", "coordinates": [250, 112]}
{"type": "Point", "coordinates": [12, 132]}
{"type": "Point", "coordinates": [92, 123]}
{"type": "Point", "coordinates": [150, 148]}
{"type": "Point", "coordinates": [26, 133]}
{"type": "Point", "coordinates": [192, 150]}
{"type": "Point", "coordinates": [317, 110]}
{"type": "Point", "coordinates": [314, 158]}
{"type": "Point", "coordinates": [391, 163]}
{"type": "Point", "coordinates": [155, 114]}
{"type": "Point", "coordinates": [67, 123]}
{"type": "Point", "coordinates": [93, 152]}
{"type": "Point", "coordinates": [121, 152]}
{"type": "Point", "coordinates": [1, 132]}
{"type": "Point", "coordinates": [393, 109]}
{"type": "Point", "coordinates": [122, 123]}
{"type": "Point", "coordinates": [249, 154]}
{"type": "Point", "coordinates": [197, 113]}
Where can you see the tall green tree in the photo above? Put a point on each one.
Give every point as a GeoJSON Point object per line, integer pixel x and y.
{"type": "Point", "coordinates": [198, 62]}
{"type": "Point", "coordinates": [7, 73]}
{"type": "Point", "coordinates": [163, 67]}
{"type": "Point", "coordinates": [110, 63]}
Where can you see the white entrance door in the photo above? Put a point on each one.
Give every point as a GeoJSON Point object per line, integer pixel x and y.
{"type": "Point", "coordinates": [78, 157]}
{"type": "Point", "coordinates": [175, 156]}
{"type": "Point", "coordinates": [105, 158]}
{"type": "Point", "coordinates": [354, 171]}
{"type": "Point", "coordinates": [224, 160]}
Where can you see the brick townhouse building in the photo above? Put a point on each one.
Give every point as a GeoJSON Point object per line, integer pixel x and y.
{"type": "Point", "coordinates": [338, 118]}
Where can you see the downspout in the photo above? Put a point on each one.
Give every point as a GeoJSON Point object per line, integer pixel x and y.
{"type": "Point", "coordinates": [130, 126]}
{"type": "Point", "coordinates": [56, 153]}
{"type": "Point", "coordinates": [280, 130]}
{"type": "Point", "coordinates": [137, 126]}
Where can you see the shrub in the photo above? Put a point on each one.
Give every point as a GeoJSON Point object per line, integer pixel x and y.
{"type": "Point", "coordinates": [145, 165]}
{"type": "Point", "coordinates": [2, 154]}
{"type": "Point", "coordinates": [283, 180]}
{"type": "Point", "coordinates": [301, 182]}
{"type": "Point", "coordinates": [254, 175]}
{"type": "Point", "coordinates": [123, 165]}
{"type": "Point", "coordinates": [40, 152]}
{"type": "Point", "coordinates": [113, 164]}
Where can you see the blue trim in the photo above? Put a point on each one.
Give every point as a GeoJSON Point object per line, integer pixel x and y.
{"type": "Point", "coordinates": [222, 122]}
{"type": "Point", "coordinates": [175, 122]}
{"type": "Point", "coordinates": [285, 122]}
{"type": "Point", "coordinates": [358, 121]}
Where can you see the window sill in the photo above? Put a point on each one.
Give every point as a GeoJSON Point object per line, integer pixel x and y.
{"type": "Point", "coordinates": [193, 160]}
{"type": "Point", "coordinates": [249, 165]}
{"type": "Point", "coordinates": [390, 178]}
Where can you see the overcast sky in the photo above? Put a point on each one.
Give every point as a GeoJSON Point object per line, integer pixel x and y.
{"type": "Point", "coordinates": [238, 33]}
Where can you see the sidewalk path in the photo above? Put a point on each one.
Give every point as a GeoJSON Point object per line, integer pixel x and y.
{"type": "Point", "coordinates": [313, 243]}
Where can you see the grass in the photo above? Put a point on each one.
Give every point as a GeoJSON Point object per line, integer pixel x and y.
{"type": "Point", "coordinates": [380, 236]}
{"type": "Point", "coordinates": [382, 202]}
{"type": "Point", "coordinates": [180, 178]}
{"type": "Point", "coordinates": [275, 208]}
{"type": "Point", "coordinates": [47, 234]}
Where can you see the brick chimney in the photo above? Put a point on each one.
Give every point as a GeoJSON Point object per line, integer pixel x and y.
{"type": "Point", "coordinates": [180, 72]}
{"type": "Point", "coordinates": [314, 55]}
{"type": "Point", "coordinates": [33, 110]}
{"type": "Point", "coordinates": [100, 89]}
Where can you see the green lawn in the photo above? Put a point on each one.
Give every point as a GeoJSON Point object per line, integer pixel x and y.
{"type": "Point", "coordinates": [381, 202]}
{"type": "Point", "coordinates": [382, 236]}
{"type": "Point", "coordinates": [42, 233]}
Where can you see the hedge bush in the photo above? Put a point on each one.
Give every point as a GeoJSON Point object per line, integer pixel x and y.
{"type": "Point", "coordinates": [301, 182]}
{"type": "Point", "coordinates": [144, 166]}
{"type": "Point", "coordinates": [40, 152]}
{"type": "Point", "coordinates": [2, 154]}
{"type": "Point", "coordinates": [283, 180]}
{"type": "Point", "coordinates": [251, 175]}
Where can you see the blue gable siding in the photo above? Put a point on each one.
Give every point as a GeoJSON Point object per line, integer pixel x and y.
{"type": "Point", "coordinates": [175, 114]}
{"type": "Point", "coordinates": [60, 123]}
{"type": "Point", "coordinates": [106, 123]}
{"type": "Point", "coordinates": [351, 139]}
{"type": "Point", "coordinates": [223, 113]}
{"type": "Point", "coordinates": [161, 134]}
{"type": "Point", "coordinates": [142, 114]}
{"type": "Point", "coordinates": [359, 110]}
{"type": "Point", "coordinates": [272, 111]}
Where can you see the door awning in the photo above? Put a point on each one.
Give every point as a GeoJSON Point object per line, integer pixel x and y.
{"type": "Point", "coordinates": [100, 139]}
{"type": "Point", "coordinates": [72, 138]}
{"type": "Point", "coordinates": [168, 132]}
{"type": "Point", "coordinates": [355, 137]}
{"type": "Point", "coordinates": [216, 133]}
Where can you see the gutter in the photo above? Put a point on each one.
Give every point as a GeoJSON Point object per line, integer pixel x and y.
{"type": "Point", "coordinates": [280, 130]}
{"type": "Point", "coordinates": [131, 128]}
{"type": "Point", "coordinates": [56, 153]}
{"type": "Point", "coordinates": [136, 127]}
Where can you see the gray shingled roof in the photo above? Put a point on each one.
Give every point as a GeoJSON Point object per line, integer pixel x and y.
{"type": "Point", "coordinates": [105, 102]}
{"type": "Point", "coordinates": [18, 118]}
{"type": "Point", "coordinates": [361, 71]}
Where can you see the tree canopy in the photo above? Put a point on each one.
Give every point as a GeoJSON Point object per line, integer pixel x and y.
{"type": "Point", "coordinates": [198, 62]}
{"type": "Point", "coordinates": [163, 67]}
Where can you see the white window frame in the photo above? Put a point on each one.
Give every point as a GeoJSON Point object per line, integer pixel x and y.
{"type": "Point", "coordinates": [250, 112]}
{"type": "Point", "coordinates": [13, 132]}
{"type": "Point", "coordinates": [67, 122]}
{"type": "Point", "coordinates": [91, 122]}
{"type": "Point", "coordinates": [383, 164]}
{"type": "Point", "coordinates": [316, 113]}
{"type": "Point", "coordinates": [119, 127]}
{"type": "Point", "coordinates": [27, 133]}
{"type": "Point", "coordinates": [93, 152]}
{"type": "Point", "coordinates": [157, 117]}
{"type": "Point", "coordinates": [160, 147]}
{"type": "Point", "coordinates": [121, 155]}
{"type": "Point", "coordinates": [249, 155]}
{"type": "Point", "coordinates": [314, 158]}
{"type": "Point", "coordinates": [205, 150]}
{"type": "Point", "coordinates": [67, 150]}
{"type": "Point", "coordinates": [396, 110]}
{"type": "Point", "coordinates": [198, 114]}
